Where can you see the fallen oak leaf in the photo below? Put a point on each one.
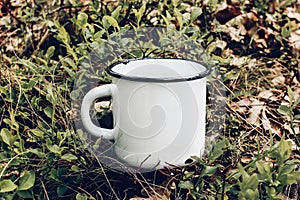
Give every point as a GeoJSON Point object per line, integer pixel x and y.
{"type": "Point", "coordinates": [241, 25]}
{"type": "Point", "coordinates": [267, 94]}
{"type": "Point", "coordinates": [227, 12]}
{"type": "Point", "coordinates": [254, 112]}
{"type": "Point", "coordinates": [268, 125]}
{"type": "Point", "coordinates": [242, 106]}
{"type": "Point", "coordinates": [293, 14]}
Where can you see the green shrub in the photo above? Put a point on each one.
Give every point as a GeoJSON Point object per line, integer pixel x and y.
{"type": "Point", "coordinates": [42, 155]}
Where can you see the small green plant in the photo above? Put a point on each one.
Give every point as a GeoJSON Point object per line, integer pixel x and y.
{"type": "Point", "coordinates": [288, 111]}
{"type": "Point", "coordinates": [271, 172]}
{"type": "Point", "coordinates": [265, 177]}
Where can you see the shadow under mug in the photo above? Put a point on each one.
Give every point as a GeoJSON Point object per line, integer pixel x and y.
{"type": "Point", "coordinates": [159, 108]}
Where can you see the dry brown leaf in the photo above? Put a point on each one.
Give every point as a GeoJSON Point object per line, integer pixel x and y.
{"type": "Point", "coordinates": [240, 25]}
{"type": "Point", "coordinates": [6, 20]}
{"type": "Point", "coordinates": [100, 106]}
{"type": "Point", "coordinates": [17, 3]}
{"type": "Point", "coordinates": [227, 12]}
{"type": "Point", "coordinates": [295, 39]}
{"type": "Point", "coordinates": [246, 159]}
{"type": "Point", "coordinates": [236, 34]}
{"type": "Point", "coordinates": [220, 44]}
{"type": "Point", "coordinates": [276, 95]}
{"type": "Point", "coordinates": [241, 106]}
{"type": "Point", "coordinates": [238, 61]}
{"type": "Point", "coordinates": [267, 123]}
{"type": "Point", "coordinates": [267, 94]}
{"type": "Point", "coordinates": [296, 92]}
{"type": "Point", "coordinates": [279, 80]}
{"type": "Point", "coordinates": [254, 112]}
{"type": "Point", "coordinates": [292, 13]}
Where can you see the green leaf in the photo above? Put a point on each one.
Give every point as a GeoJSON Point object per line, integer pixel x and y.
{"type": "Point", "coordinates": [283, 109]}
{"type": "Point", "coordinates": [51, 96]}
{"type": "Point", "coordinates": [234, 174]}
{"type": "Point", "coordinates": [297, 102]}
{"type": "Point", "coordinates": [53, 148]}
{"type": "Point", "coordinates": [252, 182]}
{"type": "Point", "coordinates": [186, 18]}
{"type": "Point", "coordinates": [285, 32]}
{"type": "Point", "coordinates": [195, 13]}
{"type": "Point", "coordinates": [29, 85]}
{"type": "Point", "coordinates": [3, 90]}
{"type": "Point", "coordinates": [165, 19]}
{"type": "Point", "coordinates": [287, 169]}
{"type": "Point", "coordinates": [27, 181]}
{"type": "Point", "coordinates": [232, 75]}
{"type": "Point", "coordinates": [217, 150]}
{"type": "Point", "coordinates": [63, 35]}
{"type": "Point", "coordinates": [191, 30]}
{"type": "Point", "coordinates": [290, 94]}
{"type": "Point", "coordinates": [38, 152]}
{"type": "Point", "coordinates": [288, 179]}
{"type": "Point", "coordinates": [75, 3]}
{"type": "Point", "coordinates": [285, 149]}
{"type": "Point", "coordinates": [6, 136]}
{"type": "Point", "coordinates": [59, 174]}
{"type": "Point", "coordinates": [69, 71]}
{"type": "Point", "coordinates": [70, 62]}
{"type": "Point", "coordinates": [98, 35]}
{"type": "Point", "coordinates": [50, 52]}
{"type": "Point", "coordinates": [82, 20]}
{"type": "Point", "coordinates": [115, 14]}
{"type": "Point", "coordinates": [139, 14]}
{"type": "Point", "coordinates": [75, 168]}
{"type": "Point", "coordinates": [245, 175]}
{"type": "Point", "coordinates": [165, 198]}
{"type": "Point", "coordinates": [196, 158]}
{"type": "Point", "coordinates": [251, 194]}
{"type": "Point", "coordinates": [61, 190]}
{"type": "Point", "coordinates": [37, 132]}
{"type": "Point", "coordinates": [7, 186]}
{"type": "Point", "coordinates": [178, 17]}
{"type": "Point", "coordinates": [209, 170]}
{"type": "Point", "coordinates": [69, 157]}
{"type": "Point", "coordinates": [29, 64]}
{"type": "Point", "coordinates": [111, 22]}
{"type": "Point", "coordinates": [186, 185]}
{"type": "Point", "coordinates": [263, 168]}
{"type": "Point", "coordinates": [175, 3]}
{"type": "Point", "coordinates": [296, 174]}
{"type": "Point", "coordinates": [25, 194]}
{"type": "Point", "coordinates": [189, 175]}
{"type": "Point", "coordinates": [81, 196]}
{"type": "Point", "coordinates": [48, 111]}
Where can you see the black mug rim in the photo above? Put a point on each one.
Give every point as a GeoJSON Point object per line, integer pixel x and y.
{"type": "Point", "coordinates": [201, 75]}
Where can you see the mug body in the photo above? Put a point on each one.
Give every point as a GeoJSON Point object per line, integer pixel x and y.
{"type": "Point", "coordinates": [160, 121]}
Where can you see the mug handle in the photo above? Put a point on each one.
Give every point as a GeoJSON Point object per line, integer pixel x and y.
{"type": "Point", "coordinates": [89, 98]}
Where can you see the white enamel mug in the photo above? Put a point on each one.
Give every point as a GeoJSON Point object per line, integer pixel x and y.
{"type": "Point", "coordinates": [159, 109]}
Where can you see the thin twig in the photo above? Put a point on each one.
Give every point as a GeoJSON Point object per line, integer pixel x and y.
{"type": "Point", "coordinates": [44, 188]}
{"type": "Point", "coordinates": [106, 178]}
{"type": "Point", "coordinates": [45, 36]}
